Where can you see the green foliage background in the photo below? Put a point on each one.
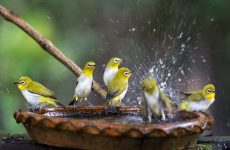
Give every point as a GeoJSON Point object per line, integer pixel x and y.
{"type": "Point", "coordinates": [85, 30]}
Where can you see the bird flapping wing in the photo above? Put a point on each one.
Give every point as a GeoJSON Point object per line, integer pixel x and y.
{"type": "Point", "coordinates": [38, 88]}
{"type": "Point", "coordinates": [167, 102]}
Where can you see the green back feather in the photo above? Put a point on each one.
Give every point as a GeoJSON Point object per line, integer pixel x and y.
{"type": "Point", "coordinates": [38, 88]}
{"type": "Point", "coordinates": [194, 96]}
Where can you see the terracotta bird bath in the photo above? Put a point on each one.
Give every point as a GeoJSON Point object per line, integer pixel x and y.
{"type": "Point", "coordinates": [94, 127]}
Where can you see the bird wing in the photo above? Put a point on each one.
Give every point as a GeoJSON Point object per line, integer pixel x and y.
{"type": "Point", "coordinates": [110, 95]}
{"type": "Point", "coordinates": [194, 96]}
{"type": "Point", "coordinates": [114, 90]}
{"type": "Point", "coordinates": [38, 88]}
{"type": "Point", "coordinates": [167, 102]}
{"type": "Point", "coordinates": [185, 93]}
{"type": "Point", "coordinates": [188, 93]}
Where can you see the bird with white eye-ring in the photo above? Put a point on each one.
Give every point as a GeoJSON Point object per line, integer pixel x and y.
{"type": "Point", "coordinates": [84, 84]}
{"type": "Point", "coordinates": [117, 87]}
{"type": "Point", "coordinates": [111, 69]}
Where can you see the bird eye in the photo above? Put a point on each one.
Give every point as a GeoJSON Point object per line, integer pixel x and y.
{"type": "Point", "coordinates": [208, 91]}
{"type": "Point", "coordinates": [22, 82]}
{"type": "Point", "coordinates": [89, 65]}
{"type": "Point", "coordinates": [126, 73]}
{"type": "Point", "coordinates": [115, 61]}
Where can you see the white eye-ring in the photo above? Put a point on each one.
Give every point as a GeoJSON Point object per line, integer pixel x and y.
{"type": "Point", "coordinates": [89, 66]}
{"type": "Point", "coordinates": [115, 60]}
{"type": "Point", "coordinates": [22, 82]}
{"type": "Point", "coordinates": [208, 91]}
{"type": "Point", "coordinates": [126, 73]}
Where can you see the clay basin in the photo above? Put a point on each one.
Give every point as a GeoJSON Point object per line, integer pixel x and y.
{"type": "Point", "coordinates": [93, 127]}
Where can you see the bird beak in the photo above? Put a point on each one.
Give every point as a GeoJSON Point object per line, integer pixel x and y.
{"type": "Point", "coordinates": [123, 60]}
{"type": "Point", "coordinates": [15, 83]}
{"type": "Point", "coordinates": [132, 71]}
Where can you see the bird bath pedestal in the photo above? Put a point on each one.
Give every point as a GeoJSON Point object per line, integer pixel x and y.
{"type": "Point", "coordinates": [93, 127]}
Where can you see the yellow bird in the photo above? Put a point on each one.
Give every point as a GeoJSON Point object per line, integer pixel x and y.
{"type": "Point", "coordinates": [111, 69]}
{"type": "Point", "coordinates": [198, 100]}
{"type": "Point", "coordinates": [84, 83]}
{"type": "Point", "coordinates": [36, 94]}
{"type": "Point", "coordinates": [154, 100]}
{"type": "Point", "coordinates": [118, 87]}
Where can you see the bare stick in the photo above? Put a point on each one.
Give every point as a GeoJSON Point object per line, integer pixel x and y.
{"type": "Point", "coordinates": [47, 46]}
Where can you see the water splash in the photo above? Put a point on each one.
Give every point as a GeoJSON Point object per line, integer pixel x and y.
{"type": "Point", "coordinates": [170, 59]}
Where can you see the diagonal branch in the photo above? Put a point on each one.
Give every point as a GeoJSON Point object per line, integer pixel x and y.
{"type": "Point", "coordinates": [47, 46]}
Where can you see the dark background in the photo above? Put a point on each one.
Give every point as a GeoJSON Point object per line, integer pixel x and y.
{"type": "Point", "coordinates": [185, 44]}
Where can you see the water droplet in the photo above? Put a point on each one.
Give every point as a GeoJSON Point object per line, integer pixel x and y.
{"type": "Point", "coordinates": [182, 72]}
{"type": "Point", "coordinates": [139, 98]}
{"type": "Point", "coordinates": [160, 61]}
{"type": "Point", "coordinates": [162, 84]}
{"type": "Point", "coordinates": [151, 70]}
{"type": "Point", "coordinates": [183, 45]}
{"type": "Point", "coordinates": [188, 39]}
{"type": "Point", "coordinates": [132, 29]}
{"type": "Point", "coordinates": [180, 36]}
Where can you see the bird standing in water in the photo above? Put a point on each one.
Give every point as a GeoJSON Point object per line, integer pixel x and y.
{"type": "Point", "coordinates": [154, 100]}
{"type": "Point", "coordinates": [36, 94]}
{"type": "Point", "coordinates": [84, 83]}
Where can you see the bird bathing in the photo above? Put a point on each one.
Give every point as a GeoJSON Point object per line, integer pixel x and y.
{"type": "Point", "coordinates": [93, 127]}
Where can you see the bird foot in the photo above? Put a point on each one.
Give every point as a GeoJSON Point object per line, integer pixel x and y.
{"type": "Point", "coordinates": [75, 105]}
{"type": "Point", "coordinates": [33, 109]}
{"type": "Point", "coordinates": [111, 109]}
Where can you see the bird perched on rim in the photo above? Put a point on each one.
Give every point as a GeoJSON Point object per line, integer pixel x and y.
{"type": "Point", "coordinates": [154, 100]}
{"type": "Point", "coordinates": [118, 87]}
{"type": "Point", "coordinates": [36, 94]}
{"type": "Point", "coordinates": [111, 69]}
{"type": "Point", "coordinates": [84, 83]}
{"type": "Point", "coordinates": [198, 100]}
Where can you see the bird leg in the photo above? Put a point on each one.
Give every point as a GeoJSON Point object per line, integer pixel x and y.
{"type": "Point", "coordinates": [33, 108]}
{"type": "Point", "coordinates": [90, 104]}
{"type": "Point", "coordinates": [75, 104]}
{"type": "Point", "coordinates": [162, 115]}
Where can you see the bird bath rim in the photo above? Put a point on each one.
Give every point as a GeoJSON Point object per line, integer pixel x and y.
{"type": "Point", "coordinates": [42, 119]}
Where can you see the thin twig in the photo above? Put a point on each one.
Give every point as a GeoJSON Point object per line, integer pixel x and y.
{"type": "Point", "coordinates": [47, 46]}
